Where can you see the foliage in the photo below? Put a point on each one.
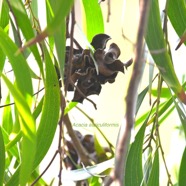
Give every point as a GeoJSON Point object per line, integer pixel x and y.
{"type": "Point", "coordinates": [31, 116]}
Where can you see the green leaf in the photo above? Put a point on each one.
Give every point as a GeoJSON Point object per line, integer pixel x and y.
{"type": "Point", "coordinates": [165, 93]}
{"type": "Point", "coordinates": [4, 20]}
{"type": "Point", "coordinates": [59, 35]}
{"type": "Point", "coordinates": [158, 48]}
{"type": "Point", "coordinates": [7, 122]}
{"type": "Point", "coordinates": [50, 112]}
{"type": "Point", "coordinates": [60, 43]}
{"type": "Point", "coordinates": [154, 175]}
{"type": "Point", "coordinates": [182, 115]}
{"type": "Point", "coordinates": [141, 97]}
{"type": "Point", "coordinates": [26, 28]}
{"type": "Point", "coordinates": [61, 10]}
{"type": "Point", "coordinates": [49, 116]}
{"type": "Point", "coordinates": [13, 150]}
{"type": "Point", "coordinates": [94, 181]}
{"type": "Point", "coordinates": [176, 11]}
{"type": "Point", "coordinates": [23, 79]}
{"type": "Point", "coordinates": [70, 106]}
{"type": "Point", "coordinates": [134, 172]}
{"type": "Point", "coordinates": [29, 132]}
{"type": "Point", "coordinates": [16, 138]}
{"type": "Point", "coordinates": [4, 14]}
{"type": "Point", "coordinates": [2, 159]}
{"type": "Point", "coordinates": [94, 19]}
{"type": "Point", "coordinates": [182, 171]}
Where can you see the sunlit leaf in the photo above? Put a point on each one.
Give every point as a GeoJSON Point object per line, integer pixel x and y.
{"type": "Point", "coordinates": [50, 111]}
{"type": "Point", "coordinates": [4, 20]}
{"type": "Point", "coordinates": [2, 159]}
{"type": "Point", "coordinates": [23, 79]}
{"type": "Point", "coordinates": [165, 93]}
{"type": "Point", "coordinates": [94, 20]}
{"type": "Point", "coordinates": [4, 14]}
{"type": "Point", "coordinates": [10, 148]}
{"type": "Point", "coordinates": [182, 171]}
{"type": "Point", "coordinates": [7, 122]}
{"type": "Point", "coordinates": [28, 129]}
{"type": "Point", "coordinates": [157, 46]}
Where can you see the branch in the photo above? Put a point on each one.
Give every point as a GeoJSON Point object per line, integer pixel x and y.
{"type": "Point", "coordinates": [82, 153]}
{"type": "Point", "coordinates": [125, 131]}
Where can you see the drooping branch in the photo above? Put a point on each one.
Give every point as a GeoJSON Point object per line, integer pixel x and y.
{"type": "Point", "coordinates": [122, 146]}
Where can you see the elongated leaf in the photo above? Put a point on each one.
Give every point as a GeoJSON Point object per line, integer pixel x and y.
{"type": "Point", "coordinates": [13, 149]}
{"type": "Point", "coordinates": [29, 133]}
{"type": "Point", "coordinates": [94, 19]}
{"type": "Point", "coordinates": [14, 141]}
{"type": "Point", "coordinates": [176, 11]}
{"type": "Point", "coordinates": [26, 27]}
{"type": "Point", "coordinates": [59, 35]}
{"type": "Point", "coordinates": [182, 171]}
{"type": "Point", "coordinates": [84, 173]}
{"type": "Point", "coordinates": [182, 116]}
{"type": "Point", "coordinates": [165, 93]}
{"type": "Point", "coordinates": [60, 43]}
{"type": "Point", "coordinates": [23, 79]}
{"type": "Point", "coordinates": [141, 97]}
{"type": "Point", "coordinates": [4, 19]}
{"type": "Point", "coordinates": [4, 14]}
{"type": "Point", "coordinates": [7, 122]}
{"type": "Point", "coordinates": [156, 42]}
{"type": "Point", "coordinates": [61, 11]}
{"type": "Point", "coordinates": [134, 173]}
{"type": "Point", "coordinates": [70, 106]}
{"type": "Point", "coordinates": [154, 175]}
{"type": "Point", "coordinates": [50, 112]}
{"type": "Point", "coordinates": [2, 158]}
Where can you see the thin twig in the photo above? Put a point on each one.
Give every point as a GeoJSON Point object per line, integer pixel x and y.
{"type": "Point", "coordinates": [108, 11]}
{"type": "Point", "coordinates": [50, 163]}
{"type": "Point", "coordinates": [125, 131]}
{"type": "Point", "coordinates": [160, 81]}
{"type": "Point", "coordinates": [69, 69]}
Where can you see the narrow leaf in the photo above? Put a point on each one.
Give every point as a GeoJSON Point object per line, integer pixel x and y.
{"type": "Point", "coordinates": [2, 158]}
{"type": "Point", "coordinates": [82, 174]}
{"type": "Point", "coordinates": [26, 27]}
{"type": "Point", "coordinates": [28, 129]}
{"type": "Point", "coordinates": [176, 11]}
{"type": "Point", "coordinates": [157, 46]}
{"type": "Point", "coordinates": [94, 19]}
{"type": "Point", "coordinates": [50, 112]}
{"type": "Point", "coordinates": [141, 97]}
{"type": "Point", "coordinates": [154, 175]}
{"type": "Point", "coordinates": [23, 79]}
{"type": "Point", "coordinates": [7, 122]}
{"type": "Point", "coordinates": [134, 173]}
{"type": "Point", "coordinates": [182, 171]}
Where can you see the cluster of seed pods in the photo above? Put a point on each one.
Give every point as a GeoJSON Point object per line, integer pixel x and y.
{"type": "Point", "coordinates": [89, 71]}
